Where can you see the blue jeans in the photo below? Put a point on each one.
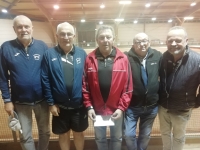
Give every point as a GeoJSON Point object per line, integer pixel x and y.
{"type": "Point", "coordinates": [172, 126]}
{"type": "Point", "coordinates": [41, 111]}
{"type": "Point", "coordinates": [146, 116]}
{"type": "Point", "coordinates": [115, 136]}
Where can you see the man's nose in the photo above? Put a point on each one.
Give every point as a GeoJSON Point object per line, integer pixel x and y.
{"type": "Point", "coordinates": [173, 43]}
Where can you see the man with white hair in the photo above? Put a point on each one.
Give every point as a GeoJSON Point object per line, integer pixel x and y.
{"type": "Point", "coordinates": [62, 80]}
{"type": "Point", "coordinates": [144, 63]}
{"type": "Point", "coordinates": [179, 78]}
{"type": "Point", "coordinates": [21, 64]}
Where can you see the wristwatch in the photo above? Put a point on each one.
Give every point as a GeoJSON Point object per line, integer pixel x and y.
{"type": "Point", "coordinates": [90, 107]}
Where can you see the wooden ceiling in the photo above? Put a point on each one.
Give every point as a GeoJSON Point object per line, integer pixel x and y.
{"type": "Point", "coordinates": [75, 10]}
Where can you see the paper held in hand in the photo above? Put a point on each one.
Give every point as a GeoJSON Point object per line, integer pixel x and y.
{"type": "Point", "coordinates": [103, 121]}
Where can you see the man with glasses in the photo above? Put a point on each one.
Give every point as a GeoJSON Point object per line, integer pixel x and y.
{"type": "Point", "coordinates": [145, 73]}
{"type": "Point", "coordinates": [179, 78]}
{"type": "Point", "coordinates": [62, 74]}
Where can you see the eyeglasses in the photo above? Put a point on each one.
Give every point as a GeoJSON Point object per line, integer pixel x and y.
{"type": "Point", "coordinates": [141, 42]}
{"type": "Point", "coordinates": [63, 35]}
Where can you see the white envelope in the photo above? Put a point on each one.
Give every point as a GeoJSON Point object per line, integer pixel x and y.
{"type": "Point", "coordinates": [103, 121]}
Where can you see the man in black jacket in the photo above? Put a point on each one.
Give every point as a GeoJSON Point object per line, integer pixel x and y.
{"type": "Point", "coordinates": [180, 78]}
{"type": "Point", "coordinates": [144, 63]}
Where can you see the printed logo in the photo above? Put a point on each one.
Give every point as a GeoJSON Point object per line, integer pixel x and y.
{"type": "Point", "coordinates": [90, 69]}
{"type": "Point", "coordinates": [153, 63]}
{"type": "Point", "coordinates": [17, 54]}
{"type": "Point", "coordinates": [36, 56]}
{"type": "Point", "coordinates": [78, 60]}
{"type": "Point", "coordinates": [53, 59]}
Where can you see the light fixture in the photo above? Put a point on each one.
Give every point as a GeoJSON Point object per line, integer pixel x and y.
{"type": "Point", "coordinates": [170, 20]}
{"type": "Point", "coordinates": [135, 21]}
{"type": "Point", "coordinates": [148, 5]}
{"type": "Point", "coordinates": [188, 18]}
{"type": "Point", "coordinates": [153, 19]}
{"type": "Point", "coordinates": [82, 20]}
{"type": "Point", "coordinates": [193, 4]}
{"type": "Point", "coordinates": [100, 22]}
{"type": "Point", "coordinates": [4, 11]}
{"type": "Point", "coordinates": [56, 7]}
{"type": "Point", "coordinates": [125, 2]}
{"type": "Point", "coordinates": [102, 6]}
{"type": "Point", "coordinates": [119, 19]}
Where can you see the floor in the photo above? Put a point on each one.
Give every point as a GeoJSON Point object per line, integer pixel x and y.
{"type": "Point", "coordinates": [194, 144]}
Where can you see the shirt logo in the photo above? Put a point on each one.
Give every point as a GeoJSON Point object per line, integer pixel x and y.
{"type": "Point", "coordinates": [53, 59]}
{"type": "Point", "coordinates": [78, 60]}
{"type": "Point", "coordinates": [153, 63]}
{"type": "Point", "coordinates": [36, 56]}
{"type": "Point", "coordinates": [17, 54]}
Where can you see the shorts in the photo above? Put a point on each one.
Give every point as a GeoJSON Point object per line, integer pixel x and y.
{"type": "Point", "coordinates": [70, 119]}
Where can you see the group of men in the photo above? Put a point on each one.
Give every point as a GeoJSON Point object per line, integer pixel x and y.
{"type": "Point", "coordinates": [129, 87]}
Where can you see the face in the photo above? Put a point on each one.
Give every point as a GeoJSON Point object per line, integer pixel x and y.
{"type": "Point", "coordinates": [65, 36]}
{"type": "Point", "coordinates": [23, 28]}
{"type": "Point", "coordinates": [176, 42]}
{"type": "Point", "coordinates": [105, 40]}
{"type": "Point", "coordinates": [141, 44]}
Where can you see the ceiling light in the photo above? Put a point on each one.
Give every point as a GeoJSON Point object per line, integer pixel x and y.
{"type": "Point", "coordinates": [153, 19]}
{"type": "Point", "coordinates": [148, 5]}
{"type": "Point", "coordinates": [135, 21]}
{"type": "Point", "coordinates": [170, 20]}
{"type": "Point", "coordinates": [100, 22]}
{"type": "Point", "coordinates": [82, 20]}
{"type": "Point", "coordinates": [56, 7]}
{"type": "Point", "coordinates": [193, 4]}
{"type": "Point", "coordinates": [125, 2]}
{"type": "Point", "coordinates": [119, 19]}
{"type": "Point", "coordinates": [102, 6]}
{"type": "Point", "coordinates": [188, 18]}
{"type": "Point", "coordinates": [4, 11]}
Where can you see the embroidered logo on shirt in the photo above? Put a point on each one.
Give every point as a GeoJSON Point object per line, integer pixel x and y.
{"type": "Point", "coordinates": [78, 60]}
{"type": "Point", "coordinates": [17, 54]}
{"type": "Point", "coordinates": [53, 59]}
{"type": "Point", "coordinates": [153, 63]}
{"type": "Point", "coordinates": [36, 56]}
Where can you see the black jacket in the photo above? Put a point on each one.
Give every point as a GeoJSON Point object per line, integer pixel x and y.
{"type": "Point", "coordinates": [145, 96]}
{"type": "Point", "coordinates": [180, 93]}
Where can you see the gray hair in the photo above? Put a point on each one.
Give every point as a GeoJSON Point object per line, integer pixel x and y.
{"type": "Point", "coordinates": [178, 28]}
{"type": "Point", "coordinates": [19, 17]}
{"type": "Point", "coordinates": [65, 24]}
{"type": "Point", "coordinates": [105, 27]}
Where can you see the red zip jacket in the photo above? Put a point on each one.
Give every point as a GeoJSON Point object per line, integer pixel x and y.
{"type": "Point", "coordinates": [121, 85]}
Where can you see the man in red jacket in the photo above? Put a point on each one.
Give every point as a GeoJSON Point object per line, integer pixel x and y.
{"type": "Point", "coordinates": [107, 87]}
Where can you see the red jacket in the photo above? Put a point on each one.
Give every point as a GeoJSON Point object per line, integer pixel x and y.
{"type": "Point", "coordinates": [121, 85]}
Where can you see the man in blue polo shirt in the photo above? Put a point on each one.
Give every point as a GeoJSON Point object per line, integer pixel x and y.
{"type": "Point", "coordinates": [20, 62]}
{"type": "Point", "coordinates": [62, 79]}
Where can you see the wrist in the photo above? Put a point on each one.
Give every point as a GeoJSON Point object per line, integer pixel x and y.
{"type": "Point", "coordinates": [90, 107]}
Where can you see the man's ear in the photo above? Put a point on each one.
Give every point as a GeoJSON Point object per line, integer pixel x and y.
{"type": "Point", "coordinates": [14, 29]}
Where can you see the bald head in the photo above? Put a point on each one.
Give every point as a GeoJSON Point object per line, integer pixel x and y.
{"type": "Point", "coordinates": [140, 36]}
{"type": "Point", "coordinates": [21, 18]}
{"type": "Point", "coordinates": [141, 44]}
{"type": "Point", "coordinates": [65, 25]}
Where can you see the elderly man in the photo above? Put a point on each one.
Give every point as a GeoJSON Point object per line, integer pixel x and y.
{"type": "Point", "coordinates": [145, 72]}
{"type": "Point", "coordinates": [107, 87]}
{"type": "Point", "coordinates": [62, 74]}
{"type": "Point", "coordinates": [180, 78]}
{"type": "Point", "coordinates": [22, 58]}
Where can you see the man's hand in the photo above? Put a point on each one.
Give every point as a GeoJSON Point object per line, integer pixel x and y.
{"type": "Point", "coordinates": [92, 114]}
{"type": "Point", "coordinates": [9, 108]}
{"type": "Point", "coordinates": [117, 114]}
{"type": "Point", "coordinates": [54, 110]}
